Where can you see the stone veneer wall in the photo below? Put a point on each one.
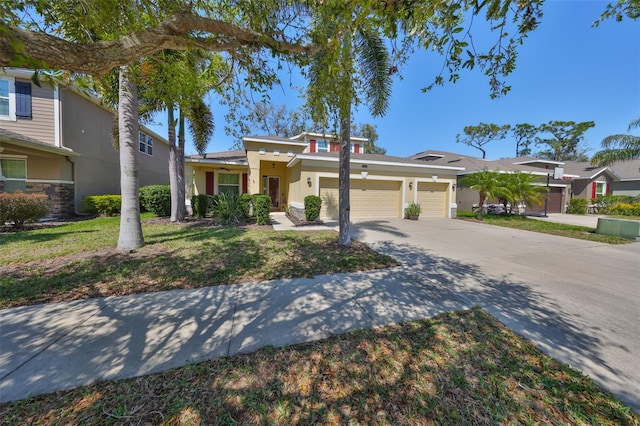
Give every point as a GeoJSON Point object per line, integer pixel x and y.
{"type": "Point", "coordinates": [60, 197]}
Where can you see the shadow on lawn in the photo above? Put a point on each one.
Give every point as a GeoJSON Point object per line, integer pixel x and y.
{"type": "Point", "coordinates": [147, 333]}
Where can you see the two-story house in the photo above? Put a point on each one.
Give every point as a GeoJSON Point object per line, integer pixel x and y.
{"type": "Point", "coordinates": [289, 169]}
{"type": "Point", "coordinates": [58, 141]}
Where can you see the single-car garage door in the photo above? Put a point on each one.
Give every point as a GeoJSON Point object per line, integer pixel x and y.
{"type": "Point", "coordinates": [432, 197]}
{"type": "Point", "coordinates": [369, 198]}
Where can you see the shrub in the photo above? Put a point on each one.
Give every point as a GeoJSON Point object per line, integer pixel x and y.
{"type": "Point", "coordinates": [312, 205]}
{"type": "Point", "coordinates": [261, 207]}
{"type": "Point", "coordinates": [201, 205]}
{"type": "Point", "coordinates": [103, 204]}
{"type": "Point", "coordinates": [246, 204]}
{"type": "Point", "coordinates": [156, 199]}
{"type": "Point", "coordinates": [414, 209]}
{"type": "Point", "coordinates": [21, 208]}
{"type": "Point", "coordinates": [227, 209]}
{"type": "Point", "coordinates": [625, 209]}
{"type": "Point", "coordinates": [577, 206]}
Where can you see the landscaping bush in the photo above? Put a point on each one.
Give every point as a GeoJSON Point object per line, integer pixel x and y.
{"type": "Point", "coordinates": [156, 199]}
{"type": "Point", "coordinates": [577, 206]}
{"type": "Point", "coordinates": [200, 205]}
{"type": "Point", "coordinates": [261, 207]}
{"type": "Point", "coordinates": [625, 209]}
{"type": "Point", "coordinates": [246, 203]}
{"type": "Point", "coordinates": [227, 209]}
{"type": "Point", "coordinates": [108, 205]}
{"type": "Point", "coordinates": [20, 208]}
{"type": "Point", "coordinates": [312, 205]}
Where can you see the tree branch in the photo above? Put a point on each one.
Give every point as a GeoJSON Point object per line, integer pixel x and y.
{"type": "Point", "coordinates": [20, 47]}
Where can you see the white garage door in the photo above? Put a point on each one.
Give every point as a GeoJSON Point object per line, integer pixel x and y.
{"type": "Point", "coordinates": [369, 198]}
{"type": "Point", "coordinates": [432, 197]}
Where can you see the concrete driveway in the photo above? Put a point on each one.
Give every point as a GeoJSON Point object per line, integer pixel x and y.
{"type": "Point", "coordinates": [577, 300]}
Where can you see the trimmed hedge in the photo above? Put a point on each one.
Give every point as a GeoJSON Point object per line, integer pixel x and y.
{"type": "Point", "coordinates": [20, 208]}
{"type": "Point", "coordinates": [200, 204]}
{"type": "Point", "coordinates": [577, 206]}
{"type": "Point", "coordinates": [312, 205]}
{"type": "Point", "coordinates": [625, 209]}
{"type": "Point", "coordinates": [103, 204]}
{"type": "Point", "coordinates": [156, 199]}
{"type": "Point", "coordinates": [261, 207]}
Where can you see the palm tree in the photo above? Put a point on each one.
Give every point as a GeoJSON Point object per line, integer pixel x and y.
{"type": "Point", "coordinates": [620, 147]}
{"type": "Point", "coordinates": [489, 185]}
{"type": "Point", "coordinates": [358, 64]}
{"type": "Point", "coordinates": [522, 188]}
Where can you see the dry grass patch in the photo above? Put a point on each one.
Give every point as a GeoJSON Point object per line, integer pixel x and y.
{"type": "Point", "coordinates": [78, 260]}
{"type": "Point", "coordinates": [458, 368]}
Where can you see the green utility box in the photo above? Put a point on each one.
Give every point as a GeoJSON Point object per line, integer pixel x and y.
{"type": "Point", "coordinates": [619, 227]}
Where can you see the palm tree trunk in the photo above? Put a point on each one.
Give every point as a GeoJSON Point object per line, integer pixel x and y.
{"type": "Point", "coordinates": [130, 237]}
{"type": "Point", "coordinates": [173, 168]}
{"type": "Point", "coordinates": [181, 209]}
{"type": "Point", "coordinates": [344, 202]}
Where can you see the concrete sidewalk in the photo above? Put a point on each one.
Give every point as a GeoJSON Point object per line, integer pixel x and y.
{"type": "Point", "coordinates": [47, 348]}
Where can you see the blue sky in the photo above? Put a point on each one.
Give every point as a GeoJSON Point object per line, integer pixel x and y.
{"type": "Point", "coordinates": [566, 70]}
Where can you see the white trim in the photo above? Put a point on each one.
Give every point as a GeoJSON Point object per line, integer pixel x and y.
{"type": "Point", "coordinates": [56, 117]}
{"type": "Point", "coordinates": [559, 163]}
{"type": "Point", "coordinates": [212, 161]}
{"type": "Point", "coordinates": [277, 142]}
{"type": "Point", "coordinates": [70, 182]}
{"type": "Point", "coordinates": [326, 135]}
{"type": "Point", "coordinates": [12, 98]}
{"type": "Point", "coordinates": [20, 157]}
{"type": "Point", "coordinates": [363, 161]}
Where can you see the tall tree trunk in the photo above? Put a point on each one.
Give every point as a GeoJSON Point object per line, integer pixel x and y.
{"type": "Point", "coordinates": [130, 237]}
{"type": "Point", "coordinates": [344, 202]}
{"type": "Point", "coordinates": [181, 209]}
{"type": "Point", "coordinates": [173, 164]}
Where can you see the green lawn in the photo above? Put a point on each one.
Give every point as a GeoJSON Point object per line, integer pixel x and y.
{"type": "Point", "coordinates": [528, 224]}
{"type": "Point", "coordinates": [458, 368]}
{"type": "Point", "coordinates": [78, 260]}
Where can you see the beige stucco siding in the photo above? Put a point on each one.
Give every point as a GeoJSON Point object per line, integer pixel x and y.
{"type": "Point", "coordinates": [42, 124]}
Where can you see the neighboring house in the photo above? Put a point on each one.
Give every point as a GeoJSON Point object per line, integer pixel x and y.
{"type": "Point", "coordinates": [577, 179]}
{"type": "Point", "coordinates": [627, 181]}
{"type": "Point", "coordinates": [289, 169]}
{"type": "Point", "coordinates": [58, 141]}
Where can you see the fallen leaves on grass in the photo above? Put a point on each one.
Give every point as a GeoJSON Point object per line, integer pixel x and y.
{"type": "Point", "coordinates": [458, 368]}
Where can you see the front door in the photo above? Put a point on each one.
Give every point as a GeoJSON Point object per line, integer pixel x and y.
{"type": "Point", "coordinates": [273, 190]}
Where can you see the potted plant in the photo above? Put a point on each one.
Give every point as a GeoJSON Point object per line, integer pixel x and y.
{"type": "Point", "coordinates": [413, 211]}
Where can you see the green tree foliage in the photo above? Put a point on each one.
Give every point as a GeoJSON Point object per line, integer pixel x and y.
{"type": "Point", "coordinates": [524, 134]}
{"type": "Point", "coordinates": [489, 184]}
{"type": "Point", "coordinates": [564, 140]}
{"type": "Point", "coordinates": [480, 135]}
{"type": "Point", "coordinates": [620, 147]}
{"type": "Point", "coordinates": [370, 132]}
{"type": "Point", "coordinates": [522, 188]}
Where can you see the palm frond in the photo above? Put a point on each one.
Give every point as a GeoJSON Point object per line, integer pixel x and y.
{"type": "Point", "coordinates": [201, 123]}
{"type": "Point", "coordinates": [373, 58]}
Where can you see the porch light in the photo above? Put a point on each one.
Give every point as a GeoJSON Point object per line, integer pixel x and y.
{"type": "Point", "coordinates": [309, 181]}
{"type": "Point", "coordinates": [453, 186]}
{"type": "Point", "coordinates": [410, 186]}
{"type": "Point", "coordinates": [273, 165]}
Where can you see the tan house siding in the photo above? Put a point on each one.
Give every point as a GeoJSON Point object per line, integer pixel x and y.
{"type": "Point", "coordinates": [41, 125]}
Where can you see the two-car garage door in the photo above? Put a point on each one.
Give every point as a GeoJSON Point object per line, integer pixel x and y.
{"type": "Point", "coordinates": [369, 198]}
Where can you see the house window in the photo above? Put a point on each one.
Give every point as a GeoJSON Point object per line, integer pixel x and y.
{"type": "Point", "coordinates": [228, 184]}
{"type": "Point", "coordinates": [7, 99]}
{"type": "Point", "coordinates": [14, 172]}
{"type": "Point", "coordinates": [146, 144]}
{"type": "Point", "coordinates": [322, 146]}
{"type": "Point", "coordinates": [601, 189]}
